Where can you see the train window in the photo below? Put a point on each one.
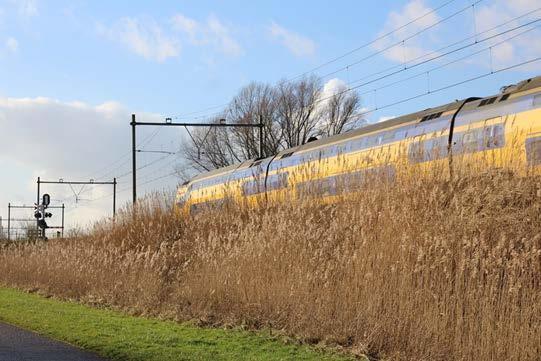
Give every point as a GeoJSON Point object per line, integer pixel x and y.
{"type": "Point", "coordinates": [277, 181]}
{"type": "Point", "coordinates": [286, 155]}
{"type": "Point", "coordinates": [533, 151]}
{"type": "Point", "coordinates": [317, 187]}
{"type": "Point", "coordinates": [493, 136]}
{"type": "Point", "coordinates": [252, 187]}
{"type": "Point", "coordinates": [537, 100]}
{"type": "Point", "coordinates": [431, 116]}
{"type": "Point", "coordinates": [416, 151]}
{"type": "Point", "coordinates": [435, 148]}
{"type": "Point", "coordinates": [505, 97]}
{"type": "Point", "coordinates": [487, 101]}
{"type": "Point", "coordinates": [470, 141]}
{"type": "Point", "coordinates": [388, 135]}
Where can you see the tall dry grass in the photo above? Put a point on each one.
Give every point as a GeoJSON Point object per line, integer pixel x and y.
{"type": "Point", "coordinates": [424, 268]}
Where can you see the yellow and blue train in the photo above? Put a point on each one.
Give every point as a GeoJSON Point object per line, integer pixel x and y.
{"type": "Point", "coordinates": [505, 128]}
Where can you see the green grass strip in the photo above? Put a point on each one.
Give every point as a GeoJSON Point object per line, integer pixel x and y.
{"type": "Point", "coordinates": [120, 337]}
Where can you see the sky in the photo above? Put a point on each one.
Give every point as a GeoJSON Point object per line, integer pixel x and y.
{"type": "Point", "coordinates": [73, 72]}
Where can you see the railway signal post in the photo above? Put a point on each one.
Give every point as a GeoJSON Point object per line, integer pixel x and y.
{"type": "Point", "coordinates": [37, 208]}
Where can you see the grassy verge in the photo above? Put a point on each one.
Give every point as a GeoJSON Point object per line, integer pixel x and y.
{"type": "Point", "coordinates": [121, 337]}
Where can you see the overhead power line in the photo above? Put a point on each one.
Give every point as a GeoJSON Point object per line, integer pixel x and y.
{"type": "Point", "coordinates": [367, 44]}
{"type": "Point", "coordinates": [98, 174]}
{"type": "Point", "coordinates": [405, 66]}
{"type": "Point", "coordinates": [144, 183]}
{"type": "Point", "coordinates": [401, 42]}
{"type": "Point", "coordinates": [427, 72]}
{"type": "Point", "coordinates": [342, 56]}
{"type": "Point", "coordinates": [349, 89]}
{"type": "Point", "coordinates": [429, 92]}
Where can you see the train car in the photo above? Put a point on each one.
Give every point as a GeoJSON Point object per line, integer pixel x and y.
{"type": "Point", "coordinates": [502, 130]}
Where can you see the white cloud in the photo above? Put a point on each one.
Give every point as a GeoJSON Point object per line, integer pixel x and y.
{"type": "Point", "coordinates": [27, 8]}
{"type": "Point", "coordinates": [144, 37]}
{"type": "Point", "coordinates": [74, 140]}
{"type": "Point", "coordinates": [385, 117]}
{"type": "Point", "coordinates": [223, 37]}
{"type": "Point", "coordinates": [211, 32]}
{"type": "Point", "coordinates": [186, 25]}
{"type": "Point", "coordinates": [413, 48]}
{"type": "Point", "coordinates": [487, 16]}
{"type": "Point", "coordinates": [518, 49]}
{"type": "Point", "coordinates": [330, 88]}
{"type": "Point", "coordinates": [158, 42]}
{"type": "Point", "coordinates": [12, 44]}
{"type": "Point", "coordinates": [299, 45]}
{"type": "Point", "coordinates": [333, 87]}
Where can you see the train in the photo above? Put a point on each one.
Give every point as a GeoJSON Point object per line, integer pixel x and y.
{"type": "Point", "coordinates": [504, 128]}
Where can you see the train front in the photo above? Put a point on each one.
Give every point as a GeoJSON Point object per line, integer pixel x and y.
{"type": "Point", "coordinates": [181, 198]}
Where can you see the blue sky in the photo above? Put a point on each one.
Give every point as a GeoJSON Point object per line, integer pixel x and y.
{"type": "Point", "coordinates": [62, 53]}
{"type": "Point", "coordinates": [72, 71]}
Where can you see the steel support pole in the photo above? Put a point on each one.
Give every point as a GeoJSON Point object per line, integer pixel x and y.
{"type": "Point", "coordinates": [63, 220]}
{"type": "Point", "coordinates": [9, 221]}
{"type": "Point", "coordinates": [134, 163]}
{"type": "Point", "coordinates": [261, 138]}
{"type": "Point", "coordinates": [37, 204]}
{"type": "Point", "coordinates": [114, 198]}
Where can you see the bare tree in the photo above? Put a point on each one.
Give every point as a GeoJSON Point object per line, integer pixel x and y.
{"type": "Point", "coordinates": [292, 112]}
{"type": "Point", "coordinates": [253, 104]}
{"type": "Point", "coordinates": [296, 110]}
{"type": "Point", "coordinates": [339, 112]}
{"type": "Point", "coordinates": [212, 148]}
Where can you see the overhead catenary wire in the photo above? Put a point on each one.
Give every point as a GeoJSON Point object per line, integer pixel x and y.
{"type": "Point", "coordinates": [342, 56]}
{"type": "Point", "coordinates": [437, 51]}
{"type": "Point", "coordinates": [144, 183]}
{"type": "Point", "coordinates": [146, 165]}
{"type": "Point", "coordinates": [441, 55]}
{"type": "Point", "coordinates": [406, 66]}
{"type": "Point", "coordinates": [98, 174]}
{"type": "Point", "coordinates": [367, 44]}
{"type": "Point", "coordinates": [425, 72]}
{"type": "Point", "coordinates": [530, 61]}
{"type": "Point", "coordinates": [398, 43]}
{"type": "Point", "coordinates": [349, 89]}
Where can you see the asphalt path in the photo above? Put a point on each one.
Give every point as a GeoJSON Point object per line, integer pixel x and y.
{"type": "Point", "coordinates": [17, 344]}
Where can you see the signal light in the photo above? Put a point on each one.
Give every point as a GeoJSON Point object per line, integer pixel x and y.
{"type": "Point", "coordinates": [47, 215]}
{"type": "Point", "coordinates": [37, 214]}
{"type": "Point", "coordinates": [46, 200]}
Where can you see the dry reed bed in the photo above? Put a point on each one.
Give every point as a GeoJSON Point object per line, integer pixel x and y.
{"type": "Point", "coordinates": [424, 269]}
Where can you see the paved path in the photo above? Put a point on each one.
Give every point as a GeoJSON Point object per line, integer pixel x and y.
{"type": "Point", "coordinates": [20, 345]}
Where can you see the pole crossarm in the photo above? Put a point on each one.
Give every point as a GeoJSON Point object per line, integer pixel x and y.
{"type": "Point", "coordinates": [32, 207]}
{"type": "Point", "coordinates": [71, 182]}
{"type": "Point", "coordinates": [155, 151]}
{"type": "Point", "coordinates": [90, 182]}
{"type": "Point", "coordinates": [232, 125]}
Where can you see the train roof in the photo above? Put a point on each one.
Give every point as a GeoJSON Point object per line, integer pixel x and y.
{"type": "Point", "coordinates": [509, 91]}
